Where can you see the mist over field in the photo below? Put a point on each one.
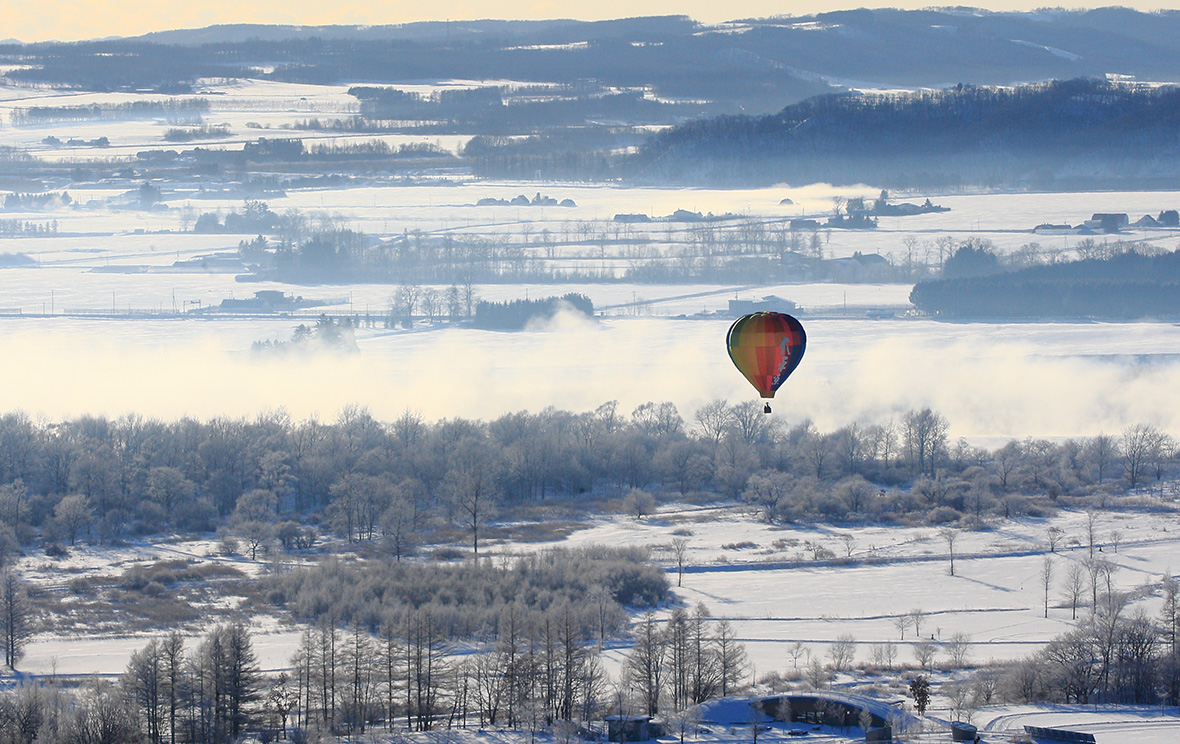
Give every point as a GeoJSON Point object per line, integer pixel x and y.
{"type": "Point", "coordinates": [990, 381]}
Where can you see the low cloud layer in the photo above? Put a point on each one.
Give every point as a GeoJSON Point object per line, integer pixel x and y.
{"type": "Point", "coordinates": [1039, 381]}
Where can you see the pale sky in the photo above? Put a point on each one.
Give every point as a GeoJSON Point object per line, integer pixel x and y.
{"type": "Point", "coordinates": [72, 20]}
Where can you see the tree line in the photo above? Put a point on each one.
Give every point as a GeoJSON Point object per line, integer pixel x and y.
{"type": "Point", "coordinates": [168, 693]}
{"type": "Point", "coordinates": [1113, 655]}
{"type": "Point", "coordinates": [980, 135]}
{"type": "Point", "coordinates": [171, 110]}
{"type": "Point", "coordinates": [697, 249]}
{"type": "Point", "coordinates": [536, 671]}
{"type": "Point", "coordinates": [269, 478]}
{"type": "Point", "coordinates": [1128, 284]}
{"type": "Point", "coordinates": [517, 314]}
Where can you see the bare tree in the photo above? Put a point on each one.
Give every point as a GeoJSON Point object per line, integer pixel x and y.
{"type": "Point", "coordinates": [472, 486]}
{"type": "Point", "coordinates": [1137, 444]}
{"type": "Point", "coordinates": [683, 721]}
{"type": "Point", "coordinates": [680, 551]}
{"type": "Point", "coordinates": [639, 503]}
{"type": "Point", "coordinates": [397, 523]}
{"type": "Point", "coordinates": [645, 666]}
{"type": "Point", "coordinates": [884, 654]}
{"type": "Point", "coordinates": [901, 622]}
{"type": "Point", "coordinates": [917, 615]}
{"type": "Point", "coordinates": [949, 536]}
{"type": "Point", "coordinates": [16, 617]}
{"type": "Point", "coordinates": [924, 435]}
{"type": "Point", "coordinates": [924, 652]}
{"type": "Point", "coordinates": [1047, 579]}
{"type": "Point", "coordinates": [1170, 624]}
{"type": "Point", "coordinates": [1116, 537]}
{"type": "Point", "coordinates": [960, 695]}
{"type": "Point", "coordinates": [849, 541]}
{"type": "Point", "coordinates": [797, 651]}
{"type": "Point", "coordinates": [1101, 451]}
{"type": "Point", "coordinates": [842, 652]}
{"type": "Point", "coordinates": [1091, 522]}
{"type": "Point", "coordinates": [431, 303]}
{"type": "Point", "coordinates": [404, 302]}
{"type": "Point", "coordinates": [816, 675]}
{"type": "Point", "coordinates": [1075, 584]}
{"type": "Point", "coordinates": [72, 514]}
{"type": "Point", "coordinates": [1054, 534]}
{"type": "Point", "coordinates": [865, 719]}
{"type": "Point", "coordinates": [749, 421]}
{"type": "Point", "coordinates": [713, 419]}
{"type": "Point", "coordinates": [958, 647]}
{"type": "Point", "coordinates": [838, 204]}
{"type": "Point", "coordinates": [732, 661]}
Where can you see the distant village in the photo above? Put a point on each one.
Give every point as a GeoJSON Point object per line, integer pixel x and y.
{"type": "Point", "coordinates": [1110, 222]}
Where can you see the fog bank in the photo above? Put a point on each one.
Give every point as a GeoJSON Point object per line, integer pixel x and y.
{"type": "Point", "coordinates": [989, 380]}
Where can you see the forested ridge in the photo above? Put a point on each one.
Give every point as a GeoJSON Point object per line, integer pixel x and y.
{"type": "Point", "coordinates": [679, 57]}
{"type": "Point", "coordinates": [1036, 135]}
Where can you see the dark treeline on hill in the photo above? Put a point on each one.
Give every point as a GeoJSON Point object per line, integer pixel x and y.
{"type": "Point", "coordinates": [1126, 285]}
{"type": "Point", "coordinates": [1042, 135]}
{"type": "Point", "coordinates": [517, 314]}
{"type": "Point", "coordinates": [509, 110]}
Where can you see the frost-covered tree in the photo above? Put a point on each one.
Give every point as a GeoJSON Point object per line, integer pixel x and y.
{"type": "Point", "coordinates": [16, 617]}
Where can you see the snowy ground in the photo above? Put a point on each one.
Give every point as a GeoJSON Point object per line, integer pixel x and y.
{"type": "Point", "coordinates": [760, 578]}
{"type": "Point", "coordinates": [1109, 726]}
{"type": "Point", "coordinates": [992, 381]}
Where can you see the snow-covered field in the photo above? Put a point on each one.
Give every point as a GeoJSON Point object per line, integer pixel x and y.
{"type": "Point", "coordinates": [760, 577]}
{"type": "Point", "coordinates": [1109, 726]}
{"type": "Point", "coordinates": [991, 380]}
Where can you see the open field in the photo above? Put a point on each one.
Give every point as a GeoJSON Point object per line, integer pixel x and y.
{"type": "Point", "coordinates": [765, 580]}
{"type": "Point", "coordinates": [110, 318]}
{"type": "Point", "coordinates": [762, 578]}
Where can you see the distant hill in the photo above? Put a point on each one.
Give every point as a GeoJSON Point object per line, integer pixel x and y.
{"type": "Point", "coordinates": [237, 33]}
{"type": "Point", "coordinates": [746, 66]}
{"type": "Point", "coordinates": [1076, 133]}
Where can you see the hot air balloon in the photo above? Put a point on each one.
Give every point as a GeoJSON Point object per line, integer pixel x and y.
{"type": "Point", "coordinates": [766, 348]}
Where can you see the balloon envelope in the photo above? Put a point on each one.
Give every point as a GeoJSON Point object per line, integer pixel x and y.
{"type": "Point", "coordinates": [766, 348]}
